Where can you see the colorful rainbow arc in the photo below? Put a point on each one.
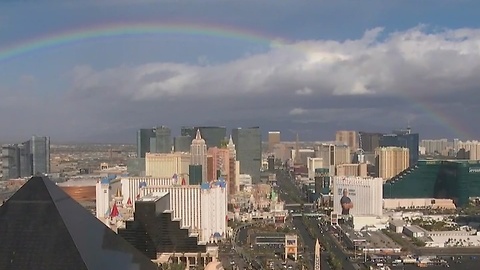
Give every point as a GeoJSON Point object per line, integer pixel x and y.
{"type": "Point", "coordinates": [132, 29]}
{"type": "Point", "coordinates": [193, 29]}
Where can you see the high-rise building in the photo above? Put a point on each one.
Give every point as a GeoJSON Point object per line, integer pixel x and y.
{"type": "Point", "coordinates": [213, 136]}
{"type": "Point", "coordinates": [201, 208]}
{"type": "Point", "coordinates": [214, 210]}
{"type": "Point", "coordinates": [404, 139]}
{"type": "Point", "coordinates": [312, 165]}
{"type": "Point", "coordinates": [273, 138]}
{"type": "Point", "coordinates": [231, 148]}
{"type": "Point", "coordinates": [342, 154]}
{"type": "Point", "coordinates": [26, 159]}
{"type": "Point", "coordinates": [220, 162]}
{"type": "Point", "coordinates": [471, 150]}
{"type": "Point", "coordinates": [164, 165]}
{"type": "Point", "coordinates": [211, 169]}
{"type": "Point", "coordinates": [435, 147]}
{"type": "Point", "coordinates": [163, 140]}
{"type": "Point", "coordinates": [40, 149]}
{"type": "Point", "coordinates": [10, 161]}
{"type": "Point", "coordinates": [198, 152]}
{"type": "Point", "coordinates": [248, 145]}
{"type": "Point", "coordinates": [182, 143]}
{"type": "Point", "coordinates": [195, 174]}
{"type": "Point", "coordinates": [369, 141]}
{"type": "Point", "coordinates": [18, 159]}
{"type": "Point", "coordinates": [327, 153]}
{"type": "Point", "coordinates": [347, 137]}
{"type": "Point", "coordinates": [356, 169]}
{"type": "Point", "coordinates": [391, 161]}
{"type": "Point", "coordinates": [357, 196]}
{"type": "Point", "coordinates": [333, 155]}
{"type": "Point", "coordinates": [145, 140]}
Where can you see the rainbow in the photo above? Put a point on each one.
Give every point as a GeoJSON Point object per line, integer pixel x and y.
{"type": "Point", "coordinates": [460, 130]}
{"type": "Point", "coordinates": [126, 29]}
{"type": "Point", "coordinates": [134, 29]}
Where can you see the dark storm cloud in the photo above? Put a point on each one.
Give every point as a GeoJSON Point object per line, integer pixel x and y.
{"type": "Point", "coordinates": [359, 84]}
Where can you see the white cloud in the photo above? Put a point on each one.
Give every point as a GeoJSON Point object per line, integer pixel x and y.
{"type": "Point", "coordinates": [297, 111]}
{"type": "Point", "coordinates": [304, 91]}
{"type": "Point", "coordinates": [406, 63]}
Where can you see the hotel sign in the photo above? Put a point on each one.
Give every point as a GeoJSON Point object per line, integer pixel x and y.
{"type": "Point", "coordinates": [474, 170]}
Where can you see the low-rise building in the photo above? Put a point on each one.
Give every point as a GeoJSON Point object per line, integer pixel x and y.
{"type": "Point", "coordinates": [414, 231]}
{"type": "Point", "coordinates": [396, 225]}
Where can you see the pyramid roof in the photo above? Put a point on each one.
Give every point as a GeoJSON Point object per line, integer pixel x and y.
{"type": "Point", "coordinates": [42, 227]}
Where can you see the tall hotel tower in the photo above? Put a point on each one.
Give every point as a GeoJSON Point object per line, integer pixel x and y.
{"type": "Point", "coordinates": [198, 152]}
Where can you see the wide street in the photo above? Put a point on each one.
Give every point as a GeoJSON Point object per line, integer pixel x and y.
{"type": "Point", "coordinates": [287, 190]}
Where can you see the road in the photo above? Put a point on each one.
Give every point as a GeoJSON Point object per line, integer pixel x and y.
{"type": "Point", "coordinates": [230, 259]}
{"type": "Point", "coordinates": [309, 244]}
{"type": "Point", "coordinates": [241, 256]}
{"type": "Point", "coordinates": [287, 190]}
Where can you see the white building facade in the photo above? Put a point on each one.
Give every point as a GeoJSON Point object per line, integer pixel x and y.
{"type": "Point", "coordinates": [185, 202]}
{"type": "Point", "coordinates": [214, 211]}
{"type": "Point", "coordinates": [201, 208]}
{"type": "Point", "coordinates": [365, 193]}
{"type": "Point", "coordinates": [131, 186]}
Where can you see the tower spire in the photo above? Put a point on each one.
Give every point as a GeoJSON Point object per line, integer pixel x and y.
{"type": "Point", "coordinates": [198, 136]}
{"type": "Point", "coordinates": [317, 264]}
{"type": "Point", "coordinates": [297, 151]}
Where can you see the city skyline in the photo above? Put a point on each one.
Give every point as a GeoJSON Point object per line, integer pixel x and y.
{"type": "Point", "coordinates": [97, 71]}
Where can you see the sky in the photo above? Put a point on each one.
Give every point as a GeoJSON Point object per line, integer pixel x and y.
{"type": "Point", "coordinates": [96, 71]}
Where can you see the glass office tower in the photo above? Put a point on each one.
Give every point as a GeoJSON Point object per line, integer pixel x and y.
{"type": "Point", "coordinates": [248, 145]}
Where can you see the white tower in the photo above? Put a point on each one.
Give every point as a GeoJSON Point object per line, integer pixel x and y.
{"type": "Point", "coordinates": [102, 198]}
{"type": "Point", "coordinates": [317, 263]}
{"type": "Point", "coordinates": [198, 152]}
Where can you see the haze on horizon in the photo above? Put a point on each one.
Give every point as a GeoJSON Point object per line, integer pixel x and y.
{"type": "Point", "coordinates": [371, 66]}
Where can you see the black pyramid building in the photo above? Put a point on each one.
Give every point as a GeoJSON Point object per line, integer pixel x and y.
{"type": "Point", "coordinates": [43, 228]}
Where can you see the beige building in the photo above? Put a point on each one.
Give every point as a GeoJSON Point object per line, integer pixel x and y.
{"type": "Point", "coordinates": [282, 151]}
{"type": "Point", "coordinates": [273, 139]}
{"type": "Point", "coordinates": [333, 155]}
{"type": "Point", "coordinates": [472, 149]}
{"type": "Point", "coordinates": [391, 161]}
{"type": "Point", "coordinates": [348, 137]}
{"type": "Point", "coordinates": [312, 164]}
{"type": "Point", "coordinates": [352, 170]}
{"type": "Point", "coordinates": [165, 165]}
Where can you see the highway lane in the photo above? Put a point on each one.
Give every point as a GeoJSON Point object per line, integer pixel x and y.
{"type": "Point", "coordinates": [309, 244]}
{"type": "Point", "coordinates": [285, 184]}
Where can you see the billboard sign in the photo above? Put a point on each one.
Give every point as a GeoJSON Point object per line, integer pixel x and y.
{"type": "Point", "coordinates": [345, 200]}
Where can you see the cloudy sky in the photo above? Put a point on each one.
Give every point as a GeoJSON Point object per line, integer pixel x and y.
{"type": "Point", "coordinates": [95, 71]}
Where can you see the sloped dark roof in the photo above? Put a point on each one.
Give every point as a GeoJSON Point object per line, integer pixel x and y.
{"type": "Point", "coordinates": [41, 227]}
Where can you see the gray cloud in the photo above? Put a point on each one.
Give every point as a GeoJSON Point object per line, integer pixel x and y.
{"type": "Point", "coordinates": [367, 82]}
{"type": "Point", "coordinates": [319, 85]}
{"type": "Point", "coordinates": [405, 63]}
